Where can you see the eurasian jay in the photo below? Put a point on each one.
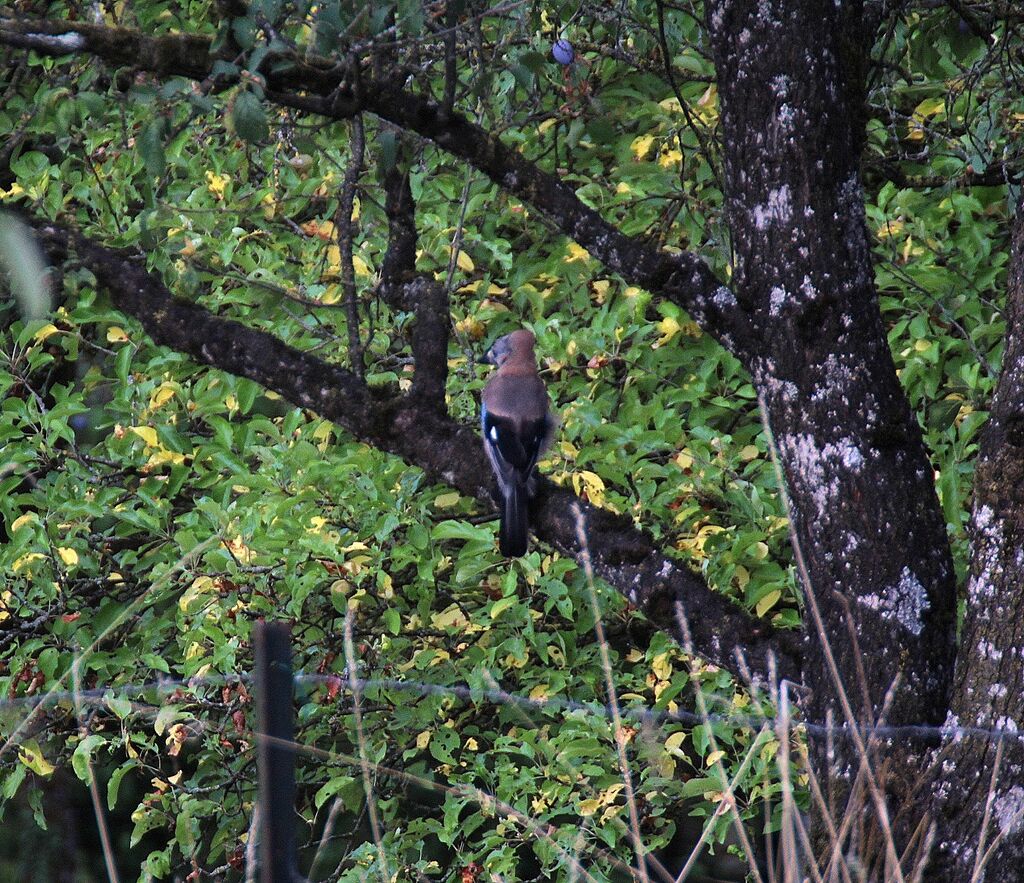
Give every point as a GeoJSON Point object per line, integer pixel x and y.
{"type": "Point", "coordinates": [516, 427]}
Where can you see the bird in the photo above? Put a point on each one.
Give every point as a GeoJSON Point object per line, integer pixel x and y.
{"type": "Point", "coordinates": [517, 426]}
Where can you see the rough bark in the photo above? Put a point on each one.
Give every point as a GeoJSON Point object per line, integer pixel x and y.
{"type": "Point", "coordinates": [981, 774]}
{"type": "Point", "coordinates": [865, 513]}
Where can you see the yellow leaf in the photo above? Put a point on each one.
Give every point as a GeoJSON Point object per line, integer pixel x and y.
{"type": "Point", "coordinates": [472, 744]}
{"type": "Point", "coordinates": [611, 793]}
{"type": "Point", "coordinates": [471, 327]}
{"type": "Point", "coordinates": [767, 602]}
{"type": "Point", "coordinates": [589, 807]}
{"type": "Point", "coordinates": [662, 666]}
{"type": "Point", "coordinates": [44, 332]}
{"type": "Point", "coordinates": [451, 617]}
{"type": "Point", "coordinates": [635, 655]}
{"type": "Point", "coordinates": [201, 585]}
{"type": "Point", "coordinates": [464, 262]}
{"type": "Point", "coordinates": [30, 754]}
{"type": "Point", "coordinates": [333, 261]}
{"type": "Point", "coordinates": [930, 107]}
{"type": "Point", "coordinates": [641, 146]}
{"type": "Point", "coordinates": [539, 693]}
{"type": "Point", "coordinates": [447, 501]}
{"type": "Point", "coordinates": [591, 483]}
{"type": "Point", "coordinates": [695, 544]}
{"type": "Point", "coordinates": [673, 743]}
{"type": "Point", "coordinates": [269, 206]}
{"type": "Point", "coordinates": [67, 555]}
{"type": "Point", "coordinates": [889, 228]}
{"type": "Point", "coordinates": [423, 739]}
{"type": "Point", "coordinates": [360, 267]}
{"type": "Point", "coordinates": [669, 158]}
{"type": "Point", "coordinates": [545, 125]}
{"type": "Point", "coordinates": [714, 757]}
{"type": "Point", "coordinates": [217, 184]}
{"type": "Point", "coordinates": [147, 434]}
{"type": "Point", "coordinates": [623, 187]}
{"type": "Point", "coordinates": [116, 334]}
{"type": "Point", "coordinates": [576, 253]}
{"type": "Point", "coordinates": [240, 550]}
{"type": "Point", "coordinates": [22, 520]}
{"type": "Point", "coordinates": [27, 559]}
{"type": "Point", "coordinates": [684, 460]}
{"type": "Point", "coordinates": [163, 457]}
{"type": "Point", "coordinates": [162, 394]}
{"type": "Point", "coordinates": [669, 328]}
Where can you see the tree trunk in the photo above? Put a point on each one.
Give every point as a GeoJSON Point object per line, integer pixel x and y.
{"type": "Point", "coordinates": [880, 581]}
{"type": "Point", "coordinates": [979, 790]}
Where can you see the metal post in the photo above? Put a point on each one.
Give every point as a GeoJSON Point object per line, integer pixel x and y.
{"type": "Point", "coordinates": [276, 762]}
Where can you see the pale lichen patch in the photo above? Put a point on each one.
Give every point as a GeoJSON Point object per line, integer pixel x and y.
{"type": "Point", "coordinates": [905, 601]}
{"type": "Point", "coordinates": [1008, 810]}
{"type": "Point", "coordinates": [777, 210]}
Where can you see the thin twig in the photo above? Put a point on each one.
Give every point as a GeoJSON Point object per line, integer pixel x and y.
{"type": "Point", "coordinates": [364, 760]}
{"type": "Point", "coordinates": [343, 227]}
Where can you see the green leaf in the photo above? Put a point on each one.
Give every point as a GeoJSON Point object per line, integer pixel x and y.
{"type": "Point", "coordinates": [151, 148]}
{"type": "Point", "coordinates": [345, 787]}
{"type": "Point", "coordinates": [114, 783]}
{"type": "Point", "coordinates": [460, 530]}
{"type": "Point", "coordinates": [502, 604]}
{"type": "Point", "coordinates": [248, 117]}
{"type": "Point", "coordinates": [83, 755]}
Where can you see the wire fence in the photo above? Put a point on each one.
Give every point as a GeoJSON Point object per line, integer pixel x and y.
{"type": "Point", "coordinates": [645, 716]}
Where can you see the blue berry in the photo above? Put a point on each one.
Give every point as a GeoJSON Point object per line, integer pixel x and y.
{"type": "Point", "coordinates": [562, 51]}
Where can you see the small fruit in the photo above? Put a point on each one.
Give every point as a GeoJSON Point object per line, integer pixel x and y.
{"type": "Point", "coordinates": [562, 51]}
{"type": "Point", "coordinates": [301, 162]}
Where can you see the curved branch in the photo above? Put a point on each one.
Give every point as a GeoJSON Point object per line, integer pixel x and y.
{"type": "Point", "coordinates": [321, 86]}
{"type": "Point", "coordinates": [422, 434]}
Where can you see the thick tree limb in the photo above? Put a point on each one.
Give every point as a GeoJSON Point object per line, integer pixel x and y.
{"type": "Point", "coordinates": [865, 510]}
{"type": "Point", "coordinates": [323, 87]}
{"type": "Point", "coordinates": [422, 434]}
{"type": "Point", "coordinates": [988, 685]}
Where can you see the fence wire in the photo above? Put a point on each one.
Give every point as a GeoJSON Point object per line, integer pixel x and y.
{"type": "Point", "coordinates": [645, 716]}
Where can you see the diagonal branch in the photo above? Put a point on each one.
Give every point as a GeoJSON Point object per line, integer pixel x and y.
{"type": "Point", "coordinates": [324, 87]}
{"type": "Point", "coordinates": [422, 434]}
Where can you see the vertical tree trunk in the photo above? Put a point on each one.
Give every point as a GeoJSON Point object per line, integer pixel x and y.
{"type": "Point", "coordinates": [979, 790]}
{"type": "Point", "coordinates": [864, 507]}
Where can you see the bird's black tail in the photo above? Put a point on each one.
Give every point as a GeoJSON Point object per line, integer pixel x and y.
{"type": "Point", "coordinates": [515, 521]}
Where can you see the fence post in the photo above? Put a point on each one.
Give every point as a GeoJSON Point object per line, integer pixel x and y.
{"type": "Point", "coordinates": [276, 763]}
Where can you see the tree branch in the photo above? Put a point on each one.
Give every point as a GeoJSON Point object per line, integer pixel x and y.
{"type": "Point", "coordinates": [323, 87]}
{"type": "Point", "coordinates": [423, 435]}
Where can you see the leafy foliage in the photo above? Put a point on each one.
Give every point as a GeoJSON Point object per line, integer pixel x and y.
{"type": "Point", "coordinates": [153, 511]}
